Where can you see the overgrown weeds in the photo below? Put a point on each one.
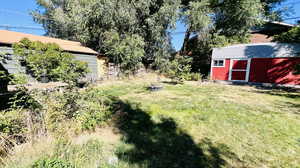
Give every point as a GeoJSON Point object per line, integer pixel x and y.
{"type": "Point", "coordinates": [34, 114]}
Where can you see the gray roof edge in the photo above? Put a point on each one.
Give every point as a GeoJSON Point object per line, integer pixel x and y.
{"type": "Point", "coordinates": [255, 44]}
{"type": "Point", "coordinates": [258, 50]}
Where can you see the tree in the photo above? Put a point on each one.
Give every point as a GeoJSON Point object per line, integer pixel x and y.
{"type": "Point", "coordinates": [273, 12]}
{"type": "Point", "coordinates": [292, 36]}
{"type": "Point", "coordinates": [127, 51]}
{"type": "Point", "coordinates": [48, 60]}
{"type": "Point", "coordinates": [228, 17]}
{"type": "Point", "coordinates": [219, 23]}
{"type": "Point", "coordinates": [89, 20]}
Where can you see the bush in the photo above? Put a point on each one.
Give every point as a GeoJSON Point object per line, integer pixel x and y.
{"type": "Point", "coordinates": [179, 69]}
{"type": "Point", "coordinates": [195, 76]}
{"type": "Point", "coordinates": [49, 61]}
{"type": "Point", "coordinates": [12, 122]}
{"type": "Point", "coordinates": [95, 109]}
{"type": "Point", "coordinates": [51, 163]}
{"type": "Point", "coordinates": [88, 109]}
{"type": "Point", "coordinates": [12, 131]}
{"type": "Point", "coordinates": [18, 79]}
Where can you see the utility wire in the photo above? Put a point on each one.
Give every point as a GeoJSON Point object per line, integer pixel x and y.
{"type": "Point", "coordinates": [292, 18]}
{"type": "Point", "coordinates": [7, 27]}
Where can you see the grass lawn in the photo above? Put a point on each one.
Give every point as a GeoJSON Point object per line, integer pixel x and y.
{"type": "Point", "coordinates": [185, 126]}
{"type": "Point", "coordinates": [208, 125]}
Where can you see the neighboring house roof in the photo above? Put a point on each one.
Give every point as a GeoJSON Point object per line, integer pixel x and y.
{"type": "Point", "coordinates": [260, 38]}
{"type": "Point", "coordinates": [281, 23]}
{"type": "Point", "coordinates": [259, 50]}
{"type": "Point", "coordinates": [272, 28]}
{"type": "Point", "coordinates": [10, 37]}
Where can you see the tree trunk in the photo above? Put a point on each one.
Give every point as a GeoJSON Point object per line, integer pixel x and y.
{"type": "Point", "coordinates": [186, 42]}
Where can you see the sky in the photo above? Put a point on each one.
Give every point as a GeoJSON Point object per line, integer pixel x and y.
{"type": "Point", "coordinates": [16, 13]}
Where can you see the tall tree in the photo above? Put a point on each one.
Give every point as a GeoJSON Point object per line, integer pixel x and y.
{"type": "Point", "coordinates": [226, 17]}
{"type": "Point", "coordinates": [89, 20]}
{"type": "Point", "coordinates": [272, 10]}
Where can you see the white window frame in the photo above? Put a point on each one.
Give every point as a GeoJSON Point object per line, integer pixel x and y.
{"type": "Point", "coordinates": [213, 61]}
{"type": "Point", "coordinates": [247, 70]}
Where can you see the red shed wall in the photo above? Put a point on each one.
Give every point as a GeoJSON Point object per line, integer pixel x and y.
{"type": "Point", "coordinates": [274, 70]}
{"type": "Point", "coordinates": [221, 73]}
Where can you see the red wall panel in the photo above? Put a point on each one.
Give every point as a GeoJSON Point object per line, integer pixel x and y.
{"type": "Point", "coordinates": [258, 70]}
{"type": "Point", "coordinates": [238, 75]}
{"type": "Point", "coordinates": [274, 70]}
{"type": "Point", "coordinates": [239, 64]}
{"type": "Point", "coordinates": [221, 73]}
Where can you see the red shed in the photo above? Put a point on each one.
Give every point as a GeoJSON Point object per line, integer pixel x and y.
{"type": "Point", "coordinates": [257, 63]}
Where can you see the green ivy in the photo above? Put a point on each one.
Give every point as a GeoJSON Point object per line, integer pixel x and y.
{"type": "Point", "coordinates": [48, 60]}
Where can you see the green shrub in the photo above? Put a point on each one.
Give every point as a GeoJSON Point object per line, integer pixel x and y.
{"type": "Point", "coordinates": [179, 69]}
{"type": "Point", "coordinates": [12, 131]}
{"type": "Point", "coordinates": [195, 76]}
{"type": "Point", "coordinates": [51, 163]}
{"type": "Point", "coordinates": [95, 109]}
{"type": "Point", "coordinates": [48, 60]}
{"type": "Point", "coordinates": [88, 109]}
{"type": "Point", "coordinates": [18, 79]}
{"type": "Point", "coordinates": [291, 36]}
{"type": "Point", "coordinates": [12, 122]}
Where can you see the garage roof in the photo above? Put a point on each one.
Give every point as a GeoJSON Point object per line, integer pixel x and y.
{"type": "Point", "coordinates": [10, 37]}
{"type": "Point", "coordinates": [258, 50]}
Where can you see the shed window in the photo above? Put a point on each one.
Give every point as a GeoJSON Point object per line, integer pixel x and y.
{"type": "Point", "coordinates": [218, 63]}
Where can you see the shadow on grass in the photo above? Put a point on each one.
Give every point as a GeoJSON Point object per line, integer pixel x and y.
{"type": "Point", "coordinates": [163, 144]}
{"type": "Point", "coordinates": [288, 94]}
{"type": "Point", "coordinates": [170, 82]}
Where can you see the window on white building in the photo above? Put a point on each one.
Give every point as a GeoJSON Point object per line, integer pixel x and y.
{"type": "Point", "coordinates": [218, 63]}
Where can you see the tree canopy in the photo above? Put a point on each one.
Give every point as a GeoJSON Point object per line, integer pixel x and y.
{"type": "Point", "coordinates": [89, 20]}
{"type": "Point", "coordinates": [149, 22]}
{"type": "Point", "coordinates": [292, 36]}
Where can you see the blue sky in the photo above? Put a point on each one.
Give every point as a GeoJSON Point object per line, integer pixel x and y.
{"type": "Point", "coordinates": [16, 13]}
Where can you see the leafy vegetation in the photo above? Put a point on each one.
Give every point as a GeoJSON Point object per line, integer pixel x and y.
{"type": "Point", "coordinates": [127, 53]}
{"type": "Point", "coordinates": [179, 69]}
{"type": "Point", "coordinates": [149, 20]}
{"type": "Point", "coordinates": [48, 60]}
{"type": "Point", "coordinates": [51, 163]}
{"type": "Point", "coordinates": [292, 36]}
{"type": "Point", "coordinates": [206, 125]}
